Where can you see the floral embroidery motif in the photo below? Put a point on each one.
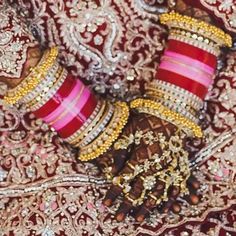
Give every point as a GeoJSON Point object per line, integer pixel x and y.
{"type": "Point", "coordinates": [223, 9]}
{"type": "Point", "coordinates": [14, 43]}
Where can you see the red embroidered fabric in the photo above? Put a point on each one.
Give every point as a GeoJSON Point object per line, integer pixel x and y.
{"type": "Point", "coordinates": [116, 46]}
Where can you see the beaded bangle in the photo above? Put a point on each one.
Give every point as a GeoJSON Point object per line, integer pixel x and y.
{"type": "Point", "coordinates": [177, 92]}
{"type": "Point", "coordinates": [51, 92]}
{"type": "Point", "coordinates": [42, 89]}
{"type": "Point", "coordinates": [175, 20]}
{"type": "Point", "coordinates": [33, 79]}
{"type": "Point", "coordinates": [112, 131]}
{"type": "Point", "coordinates": [157, 109]}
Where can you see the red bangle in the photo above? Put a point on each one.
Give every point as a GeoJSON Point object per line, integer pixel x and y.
{"type": "Point", "coordinates": [53, 103]}
{"type": "Point", "coordinates": [182, 82]}
{"type": "Point", "coordinates": [193, 52]}
{"type": "Point", "coordinates": [76, 123]}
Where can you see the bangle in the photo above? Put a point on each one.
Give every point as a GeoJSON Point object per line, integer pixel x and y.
{"type": "Point", "coordinates": [176, 92]}
{"type": "Point", "coordinates": [157, 109]}
{"type": "Point", "coordinates": [83, 132]}
{"type": "Point", "coordinates": [175, 20]}
{"type": "Point", "coordinates": [51, 92]}
{"type": "Point", "coordinates": [102, 123]}
{"type": "Point", "coordinates": [193, 52]}
{"type": "Point", "coordinates": [106, 138]}
{"type": "Point", "coordinates": [189, 40]}
{"type": "Point", "coordinates": [33, 79]}
{"type": "Point", "coordinates": [42, 89]}
{"type": "Point", "coordinates": [182, 82]}
{"type": "Point", "coordinates": [79, 134]}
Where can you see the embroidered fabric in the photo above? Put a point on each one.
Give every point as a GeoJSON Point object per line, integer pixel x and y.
{"type": "Point", "coordinates": [14, 43]}
{"type": "Point", "coordinates": [45, 191]}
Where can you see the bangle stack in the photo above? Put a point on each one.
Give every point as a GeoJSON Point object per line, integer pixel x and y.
{"type": "Point", "coordinates": [163, 112]}
{"type": "Point", "coordinates": [186, 71]}
{"type": "Point", "coordinates": [65, 104]}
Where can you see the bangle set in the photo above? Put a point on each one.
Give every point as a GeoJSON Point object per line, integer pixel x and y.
{"type": "Point", "coordinates": [109, 134]}
{"type": "Point", "coordinates": [163, 112]}
{"type": "Point", "coordinates": [176, 20]}
{"type": "Point", "coordinates": [33, 79]}
{"type": "Point", "coordinates": [186, 72]}
{"type": "Point", "coordinates": [65, 104]}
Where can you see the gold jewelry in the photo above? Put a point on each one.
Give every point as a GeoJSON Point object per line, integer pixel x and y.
{"type": "Point", "coordinates": [44, 89]}
{"type": "Point", "coordinates": [124, 142]}
{"type": "Point", "coordinates": [157, 109]}
{"type": "Point", "coordinates": [176, 173]}
{"type": "Point", "coordinates": [175, 20]}
{"type": "Point", "coordinates": [33, 79]}
{"type": "Point", "coordinates": [104, 141]}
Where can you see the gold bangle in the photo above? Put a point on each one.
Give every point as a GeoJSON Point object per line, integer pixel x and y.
{"type": "Point", "coordinates": [39, 97]}
{"type": "Point", "coordinates": [33, 79]}
{"type": "Point", "coordinates": [101, 144]}
{"type": "Point", "coordinates": [157, 109]}
{"type": "Point", "coordinates": [176, 20]}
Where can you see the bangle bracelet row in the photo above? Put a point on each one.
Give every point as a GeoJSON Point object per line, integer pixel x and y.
{"type": "Point", "coordinates": [159, 110]}
{"type": "Point", "coordinates": [33, 79]}
{"type": "Point", "coordinates": [176, 92]}
{"type": "Point", "coordinates": [176, 20]}
{"type": "Point", "coordinates": [110, 133]}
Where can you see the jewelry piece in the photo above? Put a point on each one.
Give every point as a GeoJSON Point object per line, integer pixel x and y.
{"type": "Point", "coordinates": [15, 42]}
{"type": "Point", "coordinates": [176, 92]}
{"type": "Point", "coordinates": [208, 48]}
{"type": "Point", "coordinates": [174, 104]}
{"type": "Point", "coordinates": [104, 141]}
{"type": "Point", "coordinates": [101, 124]}
{"type": "Point", "coordinates": [33, 79]}
{"type": "Point", "coordinates": [88, 125]}
{"type": "Point", "coordinates": [124, 142]}
{"type": "Point", "coordinates": [157, 109]}
{"type": "Point", "coordinates": [175, 20]}
{"type": "Point", "coordinates": [42, 89]}
{"type": "Point", "coordinates": [51, 92]}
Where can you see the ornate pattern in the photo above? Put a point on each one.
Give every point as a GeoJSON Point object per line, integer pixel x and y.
{"type": "Point", "coordinates": [14, 43]}
{"type": "Point", "coordinates": [224, 10]}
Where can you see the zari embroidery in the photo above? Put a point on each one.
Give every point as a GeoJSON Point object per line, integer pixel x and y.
{"type": "Point", "coordinates": [14, 43]}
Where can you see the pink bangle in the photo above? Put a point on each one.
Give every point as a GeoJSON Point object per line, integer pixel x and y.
{"type": "Point", "coordinates": [190, 62]}
{"type": "Point", "coordinates": [179, 68]}
{"type": "Point", "coordinates": [64, 103]}
{"type": "Point", "coordinates": [73, 110]}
